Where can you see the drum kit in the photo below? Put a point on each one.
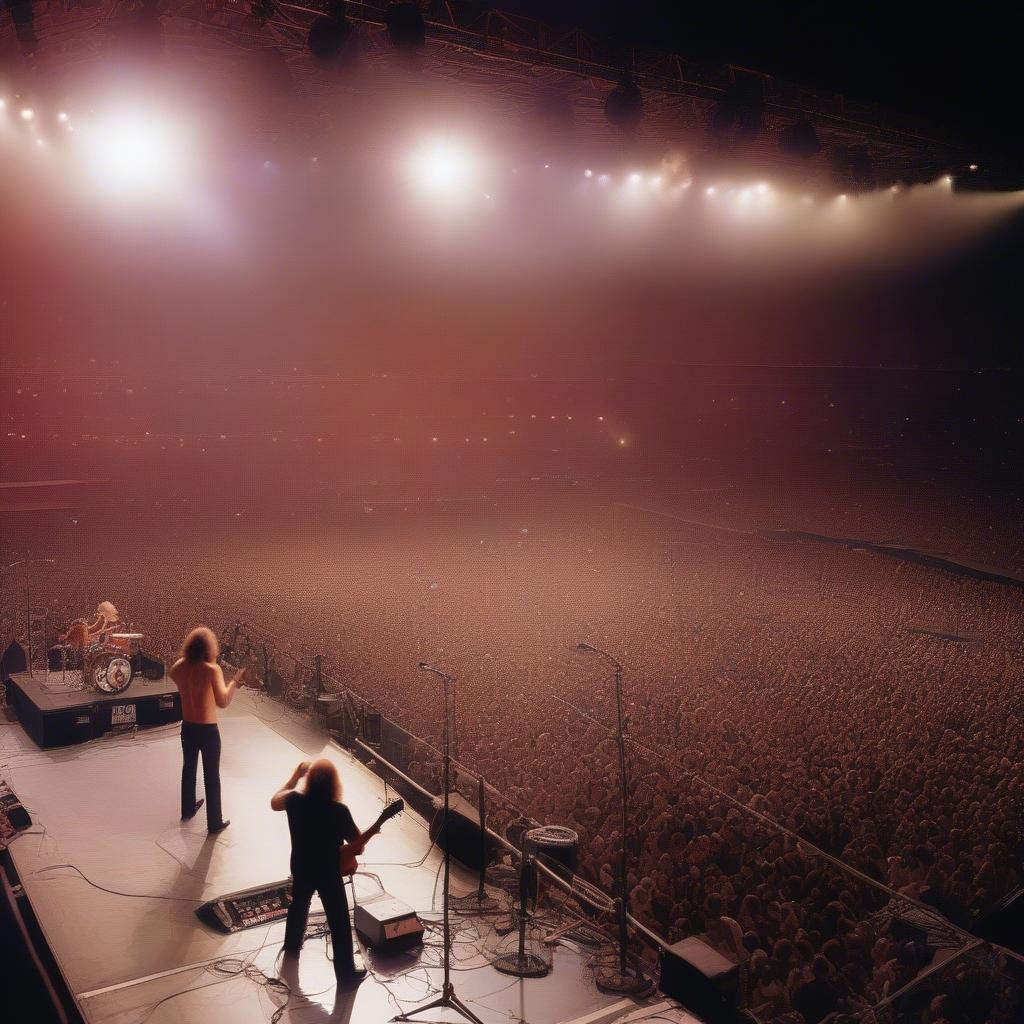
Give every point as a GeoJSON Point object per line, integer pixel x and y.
{"type": "Point", "coordinates": [109, 664]}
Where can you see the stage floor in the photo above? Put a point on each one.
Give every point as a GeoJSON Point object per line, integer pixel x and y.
{"type": "Point", "coordinates": [109, 809]}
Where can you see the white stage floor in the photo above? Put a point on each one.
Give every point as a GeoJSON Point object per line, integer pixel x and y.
{"type": "Point", "coordinates": [110, 810]}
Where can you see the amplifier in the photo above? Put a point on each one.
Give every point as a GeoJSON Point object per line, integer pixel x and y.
{"type": "Point", "coordinates": [462, 838]}
{"type": "Point", "coordinates": [700, 978]}
{"type": "Point", "coordinates": [387, 924]}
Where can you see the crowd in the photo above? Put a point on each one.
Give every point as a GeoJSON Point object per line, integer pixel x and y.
{"type": "Point", "coordinates": [869, 707]}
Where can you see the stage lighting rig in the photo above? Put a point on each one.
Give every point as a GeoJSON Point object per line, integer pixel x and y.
{"type": "Point", "coordinates": [406, 27]}
{"type": "Point", "coordinates": [261, 11]}
{"type": "Point", "coordinates": [624, 105]}
{"type": "Point", "coordinates": [24, 25]}
{"type": "Point", "coordinates": [799, 139]}
{"type": "Point", "coordinates": [330, 34]}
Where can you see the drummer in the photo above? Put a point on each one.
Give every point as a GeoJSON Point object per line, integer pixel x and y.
{"type": "Point", "coordinates": [81, 634]}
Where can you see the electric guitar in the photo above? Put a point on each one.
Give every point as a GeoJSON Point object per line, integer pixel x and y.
{"type": "Point", "coordinates": [349, 851]}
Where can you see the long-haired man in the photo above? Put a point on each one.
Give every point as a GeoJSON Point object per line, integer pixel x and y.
{"type": "Point", "coordinates": [200, 682]}
{"type": "Point", "coordinates": [319, 824]}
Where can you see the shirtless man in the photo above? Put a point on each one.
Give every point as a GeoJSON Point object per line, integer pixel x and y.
{"type": "Point", "coordinates": [200, 682]}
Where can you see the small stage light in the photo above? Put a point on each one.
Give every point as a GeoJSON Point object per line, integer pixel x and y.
{"type": "Point", "coordinates": [973, 167]}
{"type": "Point", "coordinates": [62, 117]}
{"type": "Point", "coordinates": [709, 191]}
{"type": "Point", "coordinates": [588, 173]}
{"type": "Point", "coordinates": [635, 179]}
{"type": "Point", "coordinates": [27, 114]}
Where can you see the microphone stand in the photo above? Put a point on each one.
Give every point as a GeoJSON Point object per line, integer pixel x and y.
{"type": "Point", "coordinates": [447, 999]}
{"type": "Point", "coordinates": [626, 979]}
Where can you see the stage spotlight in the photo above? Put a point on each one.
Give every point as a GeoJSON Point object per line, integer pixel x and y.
{"type": "Point", "coordinates": [443, 169]}
{"type": "Point", "coordinates": [330, 34]}
{"type": "Point", "coordinates": [624, 105]}
{"type": "Point", "coordinates": [27, 114]}
{"type": "Point", "coordinates": [405, 25]}
{"type": "Point", "coordinates": [740, 112]}
{"type": "Point", "coordinates": [799, 139]}
{"type": "Point", "coordinates": [129, 153]}
{"type": "Point", "coordinates": [261, 11]}
{"type": "Point", "coordinates": [24, 25]}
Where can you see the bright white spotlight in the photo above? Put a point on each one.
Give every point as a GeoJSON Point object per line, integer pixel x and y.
{"type": "Point", "coordinates": [973, 167]}
{"type": "Point", "coordinates": [443, 168]}
{"type": "Point", "coordinates": [27, 114]}
{"type": "Point", "coordinates": [635, 179]}
{"type": "Point", "coordinates": [588, 173]}
{"type": "Point", "coordinates": [132, 152]}
{"type": "Point", "coordinates": [762, 188]}
{"type": "Point", "coordinates": [62, 117]}
{"type": "Point", "coordinates": [710, 191]}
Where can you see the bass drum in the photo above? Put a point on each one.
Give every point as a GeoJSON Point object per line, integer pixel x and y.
{"type": "Point", "coordinates": [110, 672]}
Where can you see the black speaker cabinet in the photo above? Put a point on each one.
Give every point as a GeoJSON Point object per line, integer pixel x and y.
{"type": "Point", "coordinates": [700, 978]}
{"type": "Point", "coordinates": [462, 838]}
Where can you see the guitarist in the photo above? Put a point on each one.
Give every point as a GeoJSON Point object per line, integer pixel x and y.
{"type": "Point", "coordinates": [319, 824]}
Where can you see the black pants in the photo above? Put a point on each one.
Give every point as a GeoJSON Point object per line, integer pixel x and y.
{"type": "Point", "coordinates": [332, 896]}
{"type": "Point", "coordinates": [205, 739]}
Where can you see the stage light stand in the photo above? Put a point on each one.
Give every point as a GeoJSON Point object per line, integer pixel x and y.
{"type": "Point", "coordinates": [447, 999]}
{"type": "Point", "coordinates": [625, 978]}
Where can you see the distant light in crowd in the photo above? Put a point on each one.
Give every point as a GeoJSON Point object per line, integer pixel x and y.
{"type": "Point", "coordinates": [762, 188]}
{"type": "Point", "coordinates": [635, 179]}
{"type": "Point", "coordinates": [62, 117]}
{"type": "Point", "coordinates": [27, 114]}
{"type": "Point", "coordinates": [603, 179]}
{"type": "Point", "coordinates": [710, 190]}
{"type": "Point", "coordinates": [588, 173]}
{"type": "Point", "coordinates": [973, 167]}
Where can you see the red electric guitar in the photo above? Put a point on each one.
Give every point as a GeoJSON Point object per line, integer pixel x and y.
{"type": "Point", "coordinates": [349, 851]}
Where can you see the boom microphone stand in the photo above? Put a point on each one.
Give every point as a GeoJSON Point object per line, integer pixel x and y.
{"type": "Point", "coordinates": [447, 998]}
{"type": "Point", "coordinates": [626, 979]}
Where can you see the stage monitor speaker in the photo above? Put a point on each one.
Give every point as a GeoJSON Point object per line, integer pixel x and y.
{"type": "Point", "coordinates": [274, 683]}
{"type": "Point", "coordinates": [1004, 925]}
{"type": "Point", "coordinates": [373, 729]}
{"type": "Point", "coordinates": [700, 978]}
{"type": "Point", "coordinates": [151, 668]}
{"type": "Point", "coordinates": [14, 659]}
{"type": "Point", "coordinates": [462, 837]}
